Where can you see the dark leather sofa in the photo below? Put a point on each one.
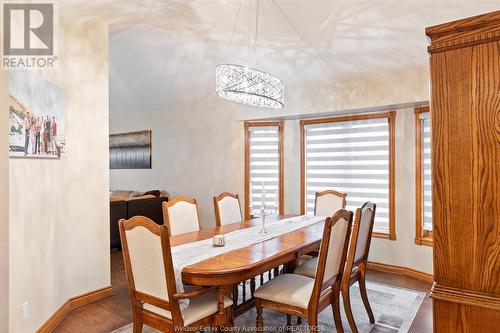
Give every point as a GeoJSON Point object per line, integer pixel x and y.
{"type": "Point", "coordinates": [126, 209]}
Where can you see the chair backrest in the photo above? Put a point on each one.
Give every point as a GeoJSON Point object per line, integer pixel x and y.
{"type": "Point", "coordinates": [366, 221]}
{"type": "Point", "coordinates": [333, 251]}
{"type": "Point", "coordinates": [328, 202]}
{"type": "Point", "coordinates": [181, 215]}
{"type": "Point", "coordinates": [148, 263]}
{"type": "Point", "coordinates": [227, 209]}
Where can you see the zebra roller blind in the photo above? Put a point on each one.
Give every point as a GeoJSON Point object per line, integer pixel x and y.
{"type": "Point", "coordinates": [425, 122]}
{"type": "Point", "coordinates": [351, 157]}
{"type": "Point", "coordinates": [263, 158]}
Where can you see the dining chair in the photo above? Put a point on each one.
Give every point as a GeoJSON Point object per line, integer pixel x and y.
{"type": "Point", "coordinates": [227, 209]}
{"type": "Point", "coordinates": [152, 287]}
{"type": "Point", "coordinates": [357, 259]}
{"type": "Point", "coordinates": [302, 296]}
{"type": "Point", "coordinates": [328, 202]}
{"type": "Point", "coordinates": [181, 215]}
{"type": "Point", "coordinates": [356, 262]}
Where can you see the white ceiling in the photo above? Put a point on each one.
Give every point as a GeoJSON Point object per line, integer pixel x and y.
{"type": "Point", "coordinates": [175, 45]}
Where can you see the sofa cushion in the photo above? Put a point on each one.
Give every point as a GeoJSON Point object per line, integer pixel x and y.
{"type": "Point", "coordinates": [156, 193]}
{"type": "Point", "coordinates": [121, 193]}
{"type": "Point", "coordinates": [142, 197]}
{"type": "Point", "coordinates": [117, 199]}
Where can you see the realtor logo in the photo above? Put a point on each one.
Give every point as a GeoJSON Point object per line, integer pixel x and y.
{"type": "Point", "coordinates": [28, 35]}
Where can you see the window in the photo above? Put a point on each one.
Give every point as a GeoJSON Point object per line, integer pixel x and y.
{"type": "Point", "coordinates": [423, 176]}
{"type": "Point", "coordinates": [354, 155]}
{"type": "Point", "coordinates": [263, 166]}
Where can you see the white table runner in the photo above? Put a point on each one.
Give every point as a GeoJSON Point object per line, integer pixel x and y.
{"type": "Point", "coordinates": [192, 253]}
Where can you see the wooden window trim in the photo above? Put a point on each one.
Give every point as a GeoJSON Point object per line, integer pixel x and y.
{"type": "Point", "coordinates": [422, 237]}
{"type": "Point", "coordinates": [391, 118]}
{"type": "Point", "coordinates": [280, 125]}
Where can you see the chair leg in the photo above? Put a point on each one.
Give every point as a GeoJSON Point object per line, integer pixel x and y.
{"type": "Point", "coordinates": [348, 311]}
{"type": "Point", "coordinates": [260, 320]}
{"type": "Point", "coordinates": [236, 293]}
{"type": "Point", "coordinates": [252, 286]}
{"type": "Point", "coordinates": [137, 325]}
{"type": "Point", "coordinates": [244, 291]}
{"type": "Point", "coordinates": [230, 320]}
{"type": "Point", "coordinates": [364, 296]}
{"type": "Point", "coordinates": [313, 323]}
{"type": "Point", "coordinates": [299, 320]}
{"type": "Point", "coordinates": [288, 322]}
{"type": "Point", "coordinates": [335, 302]}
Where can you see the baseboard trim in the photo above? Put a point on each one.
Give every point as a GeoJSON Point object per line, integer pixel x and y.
{"type": "Point", "coordinates": [55, 319]}
{"type": "Point", "coordinates": [467, 297]}
{"type": "Point", "coordinates": [409, 272]}
{"type": "Point", "coordinates": [74, 303]}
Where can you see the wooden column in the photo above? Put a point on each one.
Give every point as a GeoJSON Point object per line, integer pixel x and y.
{"type": "Point", "coordinates": [465, 111]}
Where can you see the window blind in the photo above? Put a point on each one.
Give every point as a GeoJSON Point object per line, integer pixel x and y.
{"type": "Point", "coordinates": [264, 167]}
{"type": "Point", "coordinates": [426, 170]}
{"type": "Point", "coordinates": [350, 157]}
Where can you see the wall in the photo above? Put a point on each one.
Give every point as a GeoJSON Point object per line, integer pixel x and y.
{"type": "Point", "coordinates": [193, 154]}
{"type": "Point", "coordinates": [4, 202]}
{"type": "Point", "coordinates": [59, 210]}
{"type": "Point", "coordinates": [403, 251]}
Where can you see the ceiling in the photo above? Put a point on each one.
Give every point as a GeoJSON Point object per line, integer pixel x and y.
{"type": "Point", "coordinates": [304, 42]}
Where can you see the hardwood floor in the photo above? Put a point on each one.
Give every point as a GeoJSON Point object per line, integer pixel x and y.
{"type": "Point", "coordinates": [114, 312]}
{"type": "Point", "coordinates": [106, 315]}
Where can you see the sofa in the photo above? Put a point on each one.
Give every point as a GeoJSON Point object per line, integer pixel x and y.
{"type": "Point", "coordinates": [126, 204]}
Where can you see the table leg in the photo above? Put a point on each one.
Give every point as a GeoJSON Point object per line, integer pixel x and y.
{"type": "Point", "coordinates": [220, 300]}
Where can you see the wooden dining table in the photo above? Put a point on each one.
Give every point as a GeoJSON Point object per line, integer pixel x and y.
{"type": "Point", "coordinates": [246, 263]}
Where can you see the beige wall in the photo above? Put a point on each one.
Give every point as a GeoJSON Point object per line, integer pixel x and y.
{"type": "Point", "coordinates": [193, 154]}
{"type": "Point", "coordinates": [59, 210]}
{"type": "Point", "coordinates": [403, 251]}
{"type": "Point", "coordinates": [4, 202]}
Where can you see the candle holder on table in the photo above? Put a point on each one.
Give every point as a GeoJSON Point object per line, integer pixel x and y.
{"type": "Point", "coordinates": [263, 229]}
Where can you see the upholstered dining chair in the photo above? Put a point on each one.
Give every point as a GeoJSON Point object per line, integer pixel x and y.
{"type": "Point", "coordinates": [328, 202]}
{"type": "Point", "coordinates": [152, 287]}
{"type": "Point", "coordinates": [227, 209]}
{"type": "Point", "coordinates": [302, 296]}
{"type": "Point", "coordinates": [181, 215]}
{"type": "Point", "coordinates": [355, 266]}
{"type": "Point", "coordinates": [357, 259]}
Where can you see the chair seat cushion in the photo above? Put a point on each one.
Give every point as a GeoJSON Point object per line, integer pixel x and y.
{"type": "Point", "coordinates": [199, 307]}
{"type": "Point", "coordinates": [308, 268]}
{"type": "Point", "coordinates": [291, 289]}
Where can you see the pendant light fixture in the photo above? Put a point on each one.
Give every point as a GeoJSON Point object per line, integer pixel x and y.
{"type": "Point", "coordinates": [245, 85]}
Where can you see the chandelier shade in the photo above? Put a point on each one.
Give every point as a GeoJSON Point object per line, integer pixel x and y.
{"type": "Point", "coordinates": [249, 86]}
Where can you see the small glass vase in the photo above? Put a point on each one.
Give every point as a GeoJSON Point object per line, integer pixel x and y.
{"type": "Point", "coordinates": [263, 229]}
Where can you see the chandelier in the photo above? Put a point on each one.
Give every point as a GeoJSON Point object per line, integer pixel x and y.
{"type": "Point", "coordinates": [249, 86]}
{"type": "Point", "coordinates": [245, 85]}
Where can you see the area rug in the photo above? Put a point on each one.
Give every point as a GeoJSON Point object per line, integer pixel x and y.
{"type": "Point", "coordinates": [394, 309]}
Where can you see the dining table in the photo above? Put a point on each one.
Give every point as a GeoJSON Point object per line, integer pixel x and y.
{"type": "Point", "coordinates": [229, 269]}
